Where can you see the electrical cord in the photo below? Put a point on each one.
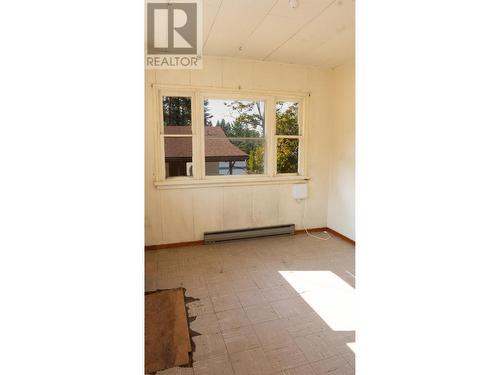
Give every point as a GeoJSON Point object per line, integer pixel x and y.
{"type": "Point", "coordinates": [304, 225]}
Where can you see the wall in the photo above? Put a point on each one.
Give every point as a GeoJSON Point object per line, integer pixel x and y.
{"type": "Point", "coordinates": [342, 156]}
{"type": "Point", "coordinates": [184, 214]}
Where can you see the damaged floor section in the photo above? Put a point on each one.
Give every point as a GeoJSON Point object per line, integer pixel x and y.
{"type": "Point", "coordinates": [167, 338]}
{"type": "Point", "coordinates": [266, 306]}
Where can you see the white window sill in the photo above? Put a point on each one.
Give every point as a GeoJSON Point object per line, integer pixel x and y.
{"type": "Point", "coordinates": [187, 182]}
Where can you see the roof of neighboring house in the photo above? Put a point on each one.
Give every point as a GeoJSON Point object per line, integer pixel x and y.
{"type": "Point", "coordinates": [217, 145]}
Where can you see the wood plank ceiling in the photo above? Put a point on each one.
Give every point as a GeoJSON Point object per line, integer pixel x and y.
{"type": "Point", "coordinates": [316, 32]}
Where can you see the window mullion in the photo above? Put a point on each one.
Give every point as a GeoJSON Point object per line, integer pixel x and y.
{"type": "Point", "coordinates": [289, 136]}
{"type": "Point", "coordinates": [303, 120]}
{"type": "Point", "coordinates": [271, 137]}
{"type": "Point", "coordinates": [199, 137]}
{"type": "Point", "coordinates": [159, 138]}
{"type": "Point", "coordinates": [177, 135]}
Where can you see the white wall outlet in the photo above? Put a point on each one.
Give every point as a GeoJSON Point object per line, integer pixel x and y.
{"type": "Point", "coordinates": [299, 191]}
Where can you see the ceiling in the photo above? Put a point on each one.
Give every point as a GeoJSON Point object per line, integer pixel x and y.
{"type": "Point", "coordinates": [316, 32]}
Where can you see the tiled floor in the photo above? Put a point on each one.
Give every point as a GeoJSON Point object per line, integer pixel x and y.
{"type": "Point", "coordinates": [253, 314]}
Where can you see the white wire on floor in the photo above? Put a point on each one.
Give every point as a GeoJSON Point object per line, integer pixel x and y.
{"type": "Point", "coordinates": [305, 227]}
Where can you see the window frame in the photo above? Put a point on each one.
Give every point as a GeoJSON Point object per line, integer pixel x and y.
{"type": "Point", "coordinates": [238, 96]}
{"type": "Point", "coordinates": [299, 136]}
{"type": "Point", "coordinates": [160, 165]}
{"type": "Point", "coordinates": [197, 95]}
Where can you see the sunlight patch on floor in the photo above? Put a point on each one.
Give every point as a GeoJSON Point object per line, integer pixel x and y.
{"type": "Point", "coordinates": [327, 294]}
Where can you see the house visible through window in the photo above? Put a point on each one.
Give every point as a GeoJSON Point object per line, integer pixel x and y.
{"type": "Point", "coordinates": [234, 133]}
{"type": "Point", "coordinates": [177, 136]}
{"type": "Point", "coordinates": [220, 135]}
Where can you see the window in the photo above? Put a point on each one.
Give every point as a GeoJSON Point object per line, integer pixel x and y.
{"type": "Point", "coordinates": [177, 136]}
{"type": "Point", "coordinates": [223, 136]}
{"type": "Point", "coordinates": [234, 137]}
{"type": "Point", "coordinates": [288, 137]}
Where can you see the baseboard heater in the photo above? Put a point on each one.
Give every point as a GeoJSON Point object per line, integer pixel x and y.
{"type": "Point", "coordinates": [238, 234]}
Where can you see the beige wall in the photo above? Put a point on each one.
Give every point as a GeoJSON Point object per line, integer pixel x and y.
{"type": "Point", "coordinates": [184, 214]}
{"type": "Point", "coordinates": [342, 156]}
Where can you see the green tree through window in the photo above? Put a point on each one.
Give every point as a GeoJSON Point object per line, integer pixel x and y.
{"type": "Point", "coordinates": [287, 149]}
{"type": "Point", "coordinates": [176, 111]}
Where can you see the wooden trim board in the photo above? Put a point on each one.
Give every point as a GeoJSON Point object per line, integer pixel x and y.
{"type": "Point", "coordinates": [167, 340]}
{"type": "Point", "coordinates": [301, 231]}
{"type": "Point", "coordinates": [329, 230]}
{"type": "Point", "coordinates": [171, 245]}
{"type": "Point", "coordinates": [340, 235]}
{"type": "Point", "coordinates": [196, 243]}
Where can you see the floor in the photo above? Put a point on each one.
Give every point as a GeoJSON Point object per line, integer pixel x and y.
{"type": "Point", "coordinates": [280, 305]}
